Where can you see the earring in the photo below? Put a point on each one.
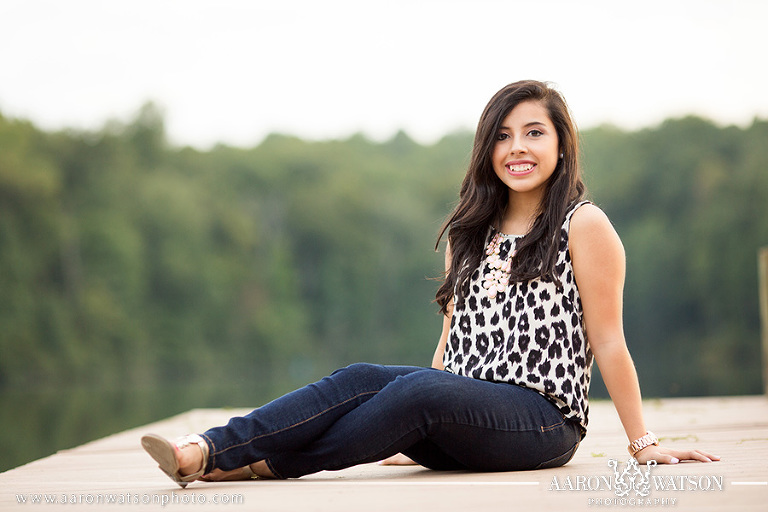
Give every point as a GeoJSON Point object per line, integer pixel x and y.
{"type": "Point", "coordinates": [561, 156]}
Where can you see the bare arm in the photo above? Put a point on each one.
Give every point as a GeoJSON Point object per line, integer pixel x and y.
{"type": "Point", "coordinates": [599, 269]}
{"type": "Point", "coordinates": [437, 359]}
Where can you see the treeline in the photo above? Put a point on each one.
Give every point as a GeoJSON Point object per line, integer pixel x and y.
{"type": "Point", "coordinates": [126, 262]}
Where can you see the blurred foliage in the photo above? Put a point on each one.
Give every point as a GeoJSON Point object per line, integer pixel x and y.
{"type": "Point", "coordinates": [690, 201]}
{"type": "Point", "coordinates": [128, 263]}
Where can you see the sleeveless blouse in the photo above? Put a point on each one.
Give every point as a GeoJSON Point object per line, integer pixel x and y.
{"type": "Point", "coordinates": [530, 334]}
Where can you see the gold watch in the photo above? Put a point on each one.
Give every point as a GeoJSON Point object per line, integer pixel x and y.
{"type": "Point", "coordinates": [647, 440]}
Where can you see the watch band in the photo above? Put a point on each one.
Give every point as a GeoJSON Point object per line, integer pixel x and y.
{"type": "Point", "coordinates": [647, 440]}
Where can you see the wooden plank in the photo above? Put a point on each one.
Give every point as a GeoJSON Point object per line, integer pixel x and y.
{"type": "Point", "coordinates": [734, 427]}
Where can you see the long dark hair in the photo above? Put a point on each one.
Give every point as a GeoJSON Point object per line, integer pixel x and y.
{"type": "Point", "coordinates": [483, 196]}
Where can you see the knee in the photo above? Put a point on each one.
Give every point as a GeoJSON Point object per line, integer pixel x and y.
{"type": "Point", "coordinates": [362, 369]}
{"type": "Point", "coordinates": [363, 374]}
{"type": "Point", "coordinates": [424, 390]}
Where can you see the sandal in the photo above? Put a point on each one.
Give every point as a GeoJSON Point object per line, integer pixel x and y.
{"type": "Point", "coordinates": [164, 453]}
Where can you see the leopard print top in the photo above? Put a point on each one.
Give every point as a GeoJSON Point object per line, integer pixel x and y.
{"type": "Point", "coordinates": [531, 334]}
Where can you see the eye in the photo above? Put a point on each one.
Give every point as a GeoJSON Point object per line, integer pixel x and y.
{"type": "Point", "coordinates": [502, 136]}
{"type": "Point", "coordinates": [535, 133]}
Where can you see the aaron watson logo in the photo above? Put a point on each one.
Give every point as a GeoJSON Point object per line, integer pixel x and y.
{"type": "Point", "coordinates": [631, 479]}
{"type": "Point", "coordinates": [634, 483]}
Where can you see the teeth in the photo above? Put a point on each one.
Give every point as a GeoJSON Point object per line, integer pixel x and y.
{"type": "Point", "coordinates": [520, 168]}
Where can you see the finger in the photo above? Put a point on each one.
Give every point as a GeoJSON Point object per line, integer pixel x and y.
{"type": "Point", "coordinates": [660, 456]}
{"type": "Point", "coordinates": [709, 455]}
{"type": "Point", "coordinates": [665, 458]}
{"type": "Point", "coordinates": [690, 455]}
{"type": "Point", "coordinates": [700, 456]}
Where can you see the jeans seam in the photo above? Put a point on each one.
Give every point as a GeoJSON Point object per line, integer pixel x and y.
{"type": "Point", "coordinates": [268, 462]}
{"type": "Point", "coordinates": [211, 452]}
{"type": "Point", "coordinates": [296, 424]}
{"type": "Point", "coordinates": [467, 424]}
{"type": "Point", "coordinates": [572, 449]}
{"type": "Point", "coordinates": [534, 429]}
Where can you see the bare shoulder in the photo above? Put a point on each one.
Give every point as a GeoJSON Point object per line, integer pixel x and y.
{"type": "Point", "coordinates": [591, 230]}
{"type": "Point", "coordinates": [589, 216]}
{"type": "Point", "coordinates": [590, 221]}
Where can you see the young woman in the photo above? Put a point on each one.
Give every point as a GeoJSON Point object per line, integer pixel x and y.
{"type": "Point", "coordinates": [532, 292]}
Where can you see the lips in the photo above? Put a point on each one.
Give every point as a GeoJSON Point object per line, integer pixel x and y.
{"type": "Point", "coordinates": [520, 168]}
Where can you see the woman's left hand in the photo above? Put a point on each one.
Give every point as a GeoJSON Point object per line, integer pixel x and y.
{"type": "Point", "coordinates": [664, 455]}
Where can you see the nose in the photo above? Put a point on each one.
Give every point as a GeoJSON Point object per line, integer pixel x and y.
{"type": "Point", "coordinates": [517, 145]}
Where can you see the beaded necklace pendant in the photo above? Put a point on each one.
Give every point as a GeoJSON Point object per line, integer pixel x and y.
{"type": "Point", "coordinates": [496, 279]}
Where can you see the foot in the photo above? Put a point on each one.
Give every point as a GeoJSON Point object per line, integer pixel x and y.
{"type": "Point", "coordinates": [397, 460]}
{"type": "Point", "coordinates": [256, 470]}
{"type": "Point", "coordinates": [182, 460]}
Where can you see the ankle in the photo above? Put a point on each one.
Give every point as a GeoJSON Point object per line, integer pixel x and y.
{"type": "Point", "coordinates": [191, 454]}
{"type": "Point", "coordinates": [190, 459]}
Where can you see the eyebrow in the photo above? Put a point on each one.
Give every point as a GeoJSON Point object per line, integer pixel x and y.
{"type": "Point", "coordinates": [527, 125]}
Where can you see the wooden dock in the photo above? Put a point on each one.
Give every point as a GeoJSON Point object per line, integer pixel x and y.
{"type": "Point", "coordinates": [115, 472]}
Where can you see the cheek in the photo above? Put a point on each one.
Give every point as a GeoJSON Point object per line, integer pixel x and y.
{"type": "Point", "coordinates": [498, 154]}
{"type": "Point", "coordinates": [551, 153]}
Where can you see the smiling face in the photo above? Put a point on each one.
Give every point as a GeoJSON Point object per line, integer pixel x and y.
{"type": "Point", "coordinates": [526, 150]}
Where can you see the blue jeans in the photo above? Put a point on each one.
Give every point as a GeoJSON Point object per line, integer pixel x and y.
{"type": "Point", "coordinates": [365, 413]}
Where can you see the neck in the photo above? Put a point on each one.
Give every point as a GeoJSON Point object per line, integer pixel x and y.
{"type": "Point", "coordinates": [521, 212]}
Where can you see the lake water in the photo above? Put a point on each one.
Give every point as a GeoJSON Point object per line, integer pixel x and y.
{"type": "Point", "coordinates": [35, 424]}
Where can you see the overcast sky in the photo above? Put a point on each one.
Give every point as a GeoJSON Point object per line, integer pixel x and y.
{"type": "Point", "coordinates": [234, 71]}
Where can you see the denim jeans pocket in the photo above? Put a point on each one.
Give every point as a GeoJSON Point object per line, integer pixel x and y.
{"type": "Point", "coordinates": [547, 428]}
